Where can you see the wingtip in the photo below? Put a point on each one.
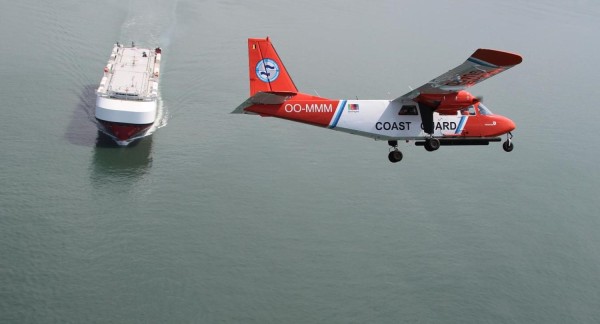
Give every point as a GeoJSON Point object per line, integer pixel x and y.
{"type": "Point", "coordinates": [496, 57]}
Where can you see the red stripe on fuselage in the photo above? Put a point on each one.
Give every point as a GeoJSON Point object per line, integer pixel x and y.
{"type": "Point", "coordinates": [318, 112]}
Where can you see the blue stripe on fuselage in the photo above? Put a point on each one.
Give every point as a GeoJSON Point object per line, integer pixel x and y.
{"type": "Point", "coordinates": [461, 124]}
{"type": "Point", "coordinates": [338, 114]}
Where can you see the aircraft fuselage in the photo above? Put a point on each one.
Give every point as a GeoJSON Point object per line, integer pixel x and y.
{"type": "Point", "coordinates": [385, 119]}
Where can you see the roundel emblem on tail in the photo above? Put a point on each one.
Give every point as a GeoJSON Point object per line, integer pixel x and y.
{"type": "Point", "coordinates": [267, 70]}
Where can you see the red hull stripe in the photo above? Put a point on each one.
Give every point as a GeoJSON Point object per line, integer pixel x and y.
{"type": "Point", "coordinates": [123, 131]}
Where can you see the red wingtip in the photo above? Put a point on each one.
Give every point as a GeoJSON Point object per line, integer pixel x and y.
{"type": "Point", "coordinates": [496, 57]}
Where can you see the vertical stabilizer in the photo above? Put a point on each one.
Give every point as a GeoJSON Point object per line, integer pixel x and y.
{"type": "Point", "coordinates": [266, 70]}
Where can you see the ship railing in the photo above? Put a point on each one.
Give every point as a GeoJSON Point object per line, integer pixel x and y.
{"type": "Point", "coordinates": [126, 96]}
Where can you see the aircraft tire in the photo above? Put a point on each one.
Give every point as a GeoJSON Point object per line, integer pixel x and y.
{"type": "Point", "coordinates": [395, 156]}
{"type": "Point", "coordinates": [432, 144]}
{"type": "Point", "coordinates": [508, 146]}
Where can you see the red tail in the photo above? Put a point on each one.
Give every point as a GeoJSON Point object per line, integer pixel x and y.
{"type": "Point", "coordinates": [267, 72]}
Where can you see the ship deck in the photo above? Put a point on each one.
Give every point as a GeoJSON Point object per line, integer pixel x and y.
{"type": "Point", "coordinates": [130, 74]}
{"type": "Point", "coordinates": [128, 91]}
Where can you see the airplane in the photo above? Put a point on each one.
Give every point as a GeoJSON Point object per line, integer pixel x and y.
{"type": "Point", "coordinates": [438, 113]}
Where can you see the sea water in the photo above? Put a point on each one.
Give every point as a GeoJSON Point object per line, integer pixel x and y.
{"type": "Point", "coordinates": [232, 218]}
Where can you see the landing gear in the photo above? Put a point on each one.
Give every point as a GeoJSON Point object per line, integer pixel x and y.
{"type": "Point", "coordinates": [432, 144]}
{"type": "Point", "coordinates": [508, 145]}
{"type": "Point", "coordinates": [395, 155]}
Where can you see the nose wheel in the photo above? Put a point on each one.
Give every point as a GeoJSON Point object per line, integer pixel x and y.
{"type": "Point", "coordinates": [508, 145]}
{"type": "Point", "coordinates": [395, 155]}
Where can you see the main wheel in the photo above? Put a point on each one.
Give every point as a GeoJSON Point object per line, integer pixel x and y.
{"type": "Point", "coordinates": [395, 156]}
{"type": "Point", "coordinates": [432, 144]}
{"type": "Point", "coordinates": [508, 146]}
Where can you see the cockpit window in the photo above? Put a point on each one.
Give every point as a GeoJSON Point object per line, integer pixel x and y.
{"type": "Point", "coordinates": [408, 110]}
{"type": "Point", "coordinates": [468, 111]}
{"type": "Point", "coordinates": [484, 110]}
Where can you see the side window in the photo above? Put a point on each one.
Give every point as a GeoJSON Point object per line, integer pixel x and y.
{"type": "Point", "coordinates": [468, 111]}
{"type": "Point", "coordinates": [483, 110]}
{"type": "Point", "coordinates": [408, 110]}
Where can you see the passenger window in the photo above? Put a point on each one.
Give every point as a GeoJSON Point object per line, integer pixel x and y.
{"type": "Point", "coordinates": [408, 110]}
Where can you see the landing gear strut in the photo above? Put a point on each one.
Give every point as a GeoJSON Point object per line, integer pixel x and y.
{"type": "Point", "coordinates": [508, 145]}
{"type": "Point", "coordinates": [431, 144]}
{"type": "Point", "coordinates": [395, 155]}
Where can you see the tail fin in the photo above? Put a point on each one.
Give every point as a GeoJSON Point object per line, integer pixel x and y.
{"type": "Point", "coordinates": [267, 72]}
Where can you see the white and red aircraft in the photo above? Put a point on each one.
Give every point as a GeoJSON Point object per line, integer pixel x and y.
{"type": "Point", "coordinates": [439, 112]}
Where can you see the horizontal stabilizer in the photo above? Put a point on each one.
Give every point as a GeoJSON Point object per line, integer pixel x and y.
{"type": "Point", "coordinates": [264, 98]}
{"type": "Point", "coordinates": [271, 97]}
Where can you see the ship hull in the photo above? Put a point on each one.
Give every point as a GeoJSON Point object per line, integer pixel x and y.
{"type": "Point", "coordinates": [124, 133]}
{"type": "Point", "coordinates": [125, 120]}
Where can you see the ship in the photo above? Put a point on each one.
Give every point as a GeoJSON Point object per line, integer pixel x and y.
{"type": "Point", "coordinates": [127, 98]}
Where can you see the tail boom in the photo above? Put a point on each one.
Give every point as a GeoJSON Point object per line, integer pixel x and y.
{"type": "Point", "coordinates": [303, 108]}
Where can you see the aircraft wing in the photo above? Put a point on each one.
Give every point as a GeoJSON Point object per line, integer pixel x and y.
{"type": "Point", "coordinates": [482, 64]}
